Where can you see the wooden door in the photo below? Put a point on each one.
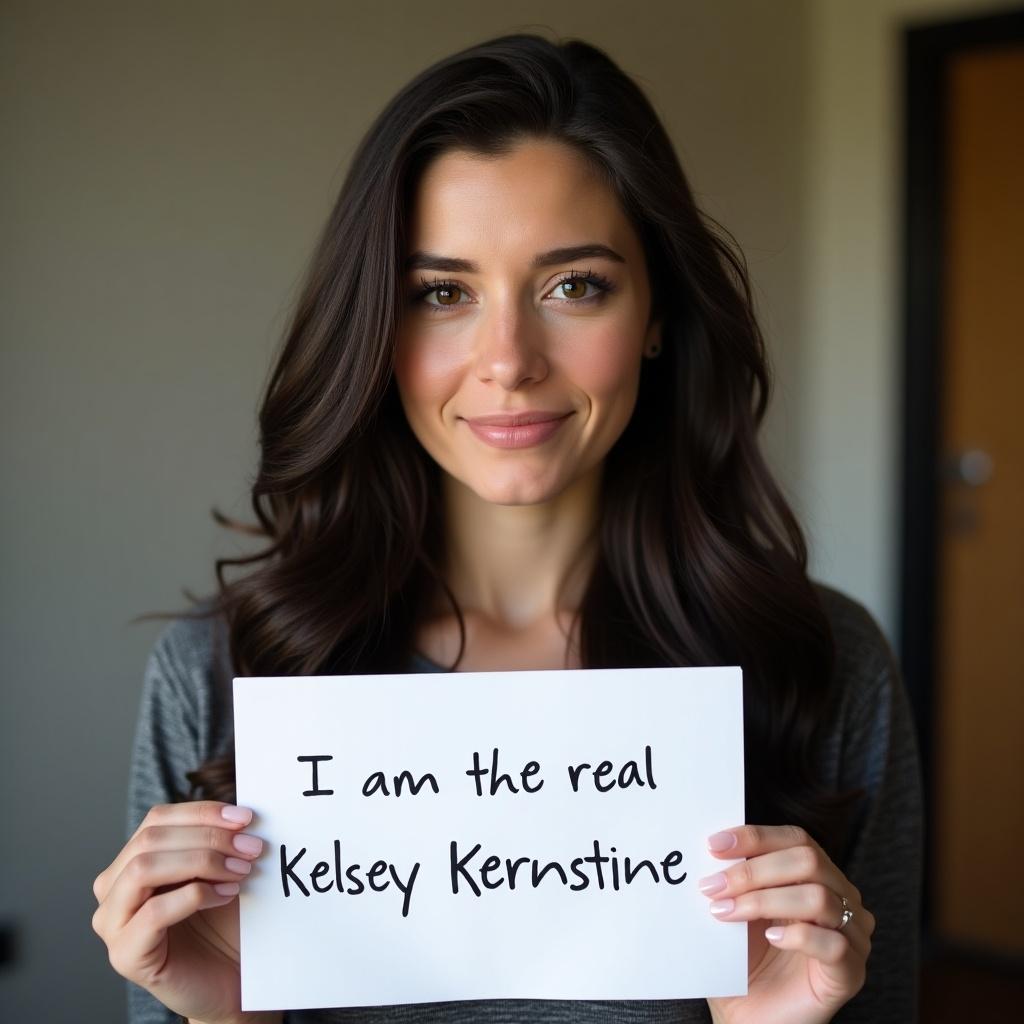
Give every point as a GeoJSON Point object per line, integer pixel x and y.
{"type": "Point", "coordinates": [978, 769]}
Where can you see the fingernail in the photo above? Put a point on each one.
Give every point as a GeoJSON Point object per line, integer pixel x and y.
{"type": "Point", "coordinates": [226, 888]}
{"type": "Point", "coordinates": [247, 844]}
{"type": "Point", "coordinates": [722, 906]}
{"type": "Point", "coordinates": [712, 884]}
{"type": "Point", "coordinates": [239, 815]}
{"type": "Point", "coordinates": [774, 934]}
{"type": "Point", "coordinates": [721, 841]}
{"type": "Point", "coordinates": [240, 867]}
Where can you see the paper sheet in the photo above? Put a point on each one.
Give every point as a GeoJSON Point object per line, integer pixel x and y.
{"type": "Point", "coordinates": [570, 873]}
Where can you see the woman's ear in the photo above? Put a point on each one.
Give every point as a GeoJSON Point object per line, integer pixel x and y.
{"type": "Point", "coordinates": [652, 342]}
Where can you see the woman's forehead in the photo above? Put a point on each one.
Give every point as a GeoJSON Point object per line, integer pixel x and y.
{"type": "Point", "coordinates": [539, 195]}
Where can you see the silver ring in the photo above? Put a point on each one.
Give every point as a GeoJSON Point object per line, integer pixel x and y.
{"type": "Point", "coordinates": [847, 914]}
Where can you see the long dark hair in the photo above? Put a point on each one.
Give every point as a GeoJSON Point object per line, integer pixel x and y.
{"type": "Point", "coordinates": [700, 560]}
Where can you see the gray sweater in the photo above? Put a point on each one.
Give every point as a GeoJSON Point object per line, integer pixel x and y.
{"type": "Point", "coordinates": [185, 718]}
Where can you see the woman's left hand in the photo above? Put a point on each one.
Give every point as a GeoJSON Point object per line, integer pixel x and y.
{"type": "Point", "coordinates": [804, 969]}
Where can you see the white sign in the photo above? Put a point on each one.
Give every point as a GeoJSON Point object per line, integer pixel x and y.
{"type": "Point", "coordinates": [488, 835]}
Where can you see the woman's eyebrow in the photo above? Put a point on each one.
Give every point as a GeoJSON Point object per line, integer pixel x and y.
{"type": "Point", "coordinates": [566, 254]}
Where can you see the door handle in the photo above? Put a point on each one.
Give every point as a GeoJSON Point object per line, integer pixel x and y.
{"type": "Point", "coordinates": [972, 467]}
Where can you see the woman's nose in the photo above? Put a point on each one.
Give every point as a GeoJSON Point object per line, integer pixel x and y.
{"type": "Point", "coordinates": [510, 347]}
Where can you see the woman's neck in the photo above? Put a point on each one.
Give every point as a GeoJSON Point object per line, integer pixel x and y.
{"type": "Point", "coordinates": [517, 565]}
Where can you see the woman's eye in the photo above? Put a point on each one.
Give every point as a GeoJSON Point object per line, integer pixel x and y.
{"type": "Point", "coordinates": [578, 288]}
{"type": "Point", "coordinates": [574, 288]}
{"type": "Point", "coordinates": [445, 294]}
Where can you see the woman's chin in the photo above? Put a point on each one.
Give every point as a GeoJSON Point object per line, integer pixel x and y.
{"type": "Point", "coordinates": [515, 492]}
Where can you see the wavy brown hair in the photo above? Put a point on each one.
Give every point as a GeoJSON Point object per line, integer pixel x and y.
{"type": "Point", "coordinates": [700, 559]}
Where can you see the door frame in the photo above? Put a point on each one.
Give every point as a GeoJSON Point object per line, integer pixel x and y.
{"type": "Point", "coordinates": [927, 52]}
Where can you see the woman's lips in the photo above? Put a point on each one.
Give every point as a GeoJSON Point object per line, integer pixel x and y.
{"type": "Point", "coordinates": [516, 434]}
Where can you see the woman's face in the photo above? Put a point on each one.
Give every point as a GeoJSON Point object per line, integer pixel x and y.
{"type": "Point", "coordinates": [527, 293]}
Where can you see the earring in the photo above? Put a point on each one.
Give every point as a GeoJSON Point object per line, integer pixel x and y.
{"type": "Point", "coordinates": [653, 350]}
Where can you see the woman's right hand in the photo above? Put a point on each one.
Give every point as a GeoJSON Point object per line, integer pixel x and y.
{"type": "Point", "coordinates": [165, 924]}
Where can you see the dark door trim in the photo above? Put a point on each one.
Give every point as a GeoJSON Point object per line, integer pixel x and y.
{"type": "Point", "coordinates": [927, 53]}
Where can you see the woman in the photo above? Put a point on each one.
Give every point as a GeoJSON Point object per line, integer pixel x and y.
{"type": "Point", "coordinates": [513, 426]}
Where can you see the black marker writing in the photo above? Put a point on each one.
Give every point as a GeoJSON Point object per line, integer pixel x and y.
{"type": "Point", "coordinates": [501, 778]}
{"type": "Point", "coordinates": [379, 868]}
{"type": "Point", "coordinates": [376, 783]}
{"type": "Point", "coordinates": [315, 760]}
{"type": "Point", "coordinates": [629, 774]}
{"type": "Point", "coordinates": [491, 877]}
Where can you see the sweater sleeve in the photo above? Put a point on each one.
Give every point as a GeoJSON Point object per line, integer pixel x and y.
{"type": "Point", "coordinates": [884, 860]}
{"type": "Point", "coordinates": [165, 746]}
